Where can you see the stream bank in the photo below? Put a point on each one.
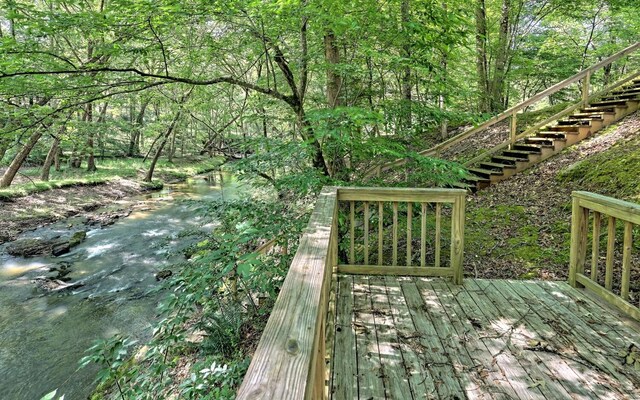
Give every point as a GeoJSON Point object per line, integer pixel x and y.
{"type": "Point", "coordinates": [109, 282]}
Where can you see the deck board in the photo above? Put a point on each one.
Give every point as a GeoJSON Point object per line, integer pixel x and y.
{"type": "Point", "coordinates": [425, 338]}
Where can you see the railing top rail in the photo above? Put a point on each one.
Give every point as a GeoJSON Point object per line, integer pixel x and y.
{"type": "Point", "coordinates": [620, 209]}
{"type": "Point", "coordinates": [281, 367]}
{"type": "Point", "coordinates": [512, 110]}
{"type": "Point", "coordinates": [400, 194]}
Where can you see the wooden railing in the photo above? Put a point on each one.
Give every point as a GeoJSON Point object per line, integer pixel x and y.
{"type": "Point", "coordinates": [371, 209]}
{"type": "Point", "coordinates": [586, 96]}
{"type": "Point", "coordinates": [290, 361]}
{"type": "Point", "coordinates": [613, 284]}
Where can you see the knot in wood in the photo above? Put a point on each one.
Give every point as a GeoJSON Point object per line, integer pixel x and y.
{"type": "Point", "coordinates": [292, 346]}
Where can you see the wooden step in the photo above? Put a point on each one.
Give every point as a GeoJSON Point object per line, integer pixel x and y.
{"type": "Point", "coordinates": [539, 140]}
{"type": "Point", "coordinates": [589, 116]}
{"type": "Point", "coordinates": [599, 110]}
{"type": "Point", "coordinates": [519, 153]}
{"type": "Point", "coordinates": [619, 103]}
{"type": "Point", "coordinates": [555, 134]}
{"type": "Point", "coordinates": [563, 128]}
{"type": "Point", "coordinates": [508, 160]}
{"type": "Point", "coordinates": [634, 90]}
{"type": "Point", "coordinates": [479, 181]}
{"type": "Point", "coordinates": [496, 166]}
{"type": "Point", "coordinates": [528, 147]}
{"type": "Point", "coordinates": [622, 96]}
{"type": "Point", "coordinates": [485, 173]}
{"type": "Point", "coordinates": [575, 121]}
{"type": "Point", "coordinates": [461, 185]}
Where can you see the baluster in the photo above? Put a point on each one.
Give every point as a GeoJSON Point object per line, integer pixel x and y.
{"type": "Point", "coordinates": [423, 235]}
{"type": "Point", "coordinates": [352, 229]}
{"type": "Point", "coordinates": [395, 234]}
{"type": "Point", "coordinates": [366, 233]}
{"type": "Point", "coordinates": [438, 224]}
{"type": "Point", "coordinates": [626, 259]}
{"type": "Point", "coordinates": [409, 223]}
{"type": "Point", "coordinates": [595, 245]}
{"type": "Point", "coordinates": [611, 247]}
{"type": "Point", "coordinates": [380, 228]}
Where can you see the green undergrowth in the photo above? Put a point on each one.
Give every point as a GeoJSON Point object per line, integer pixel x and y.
{"type": "Point", "coordinates": [511, 234]}
{"type": "Point", "coordinates": [613, 172]}
{"type": "Point", "coordinates": [108, 170]}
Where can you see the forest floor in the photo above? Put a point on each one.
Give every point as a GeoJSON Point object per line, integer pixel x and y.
{"type": "Point", "coordinates": [42, 208]}
{"type": "Point", "coordinates": [520, 227]}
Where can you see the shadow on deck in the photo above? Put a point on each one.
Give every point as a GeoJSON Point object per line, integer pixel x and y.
{"type": "Point", "coordinates": [426, 338]}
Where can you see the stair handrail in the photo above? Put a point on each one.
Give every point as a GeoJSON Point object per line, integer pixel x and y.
{"type": "Point", "coordinates": [511, 112]}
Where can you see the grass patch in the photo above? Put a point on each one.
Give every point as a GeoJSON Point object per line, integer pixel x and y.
{"type": "Point", "coordinates": [109, 169]}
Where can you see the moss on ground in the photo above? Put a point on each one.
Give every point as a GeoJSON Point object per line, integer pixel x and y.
{"type": "Point", "coordinates": [614, 172]}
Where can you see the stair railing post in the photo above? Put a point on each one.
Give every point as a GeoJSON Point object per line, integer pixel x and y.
{"type": "Point", "coordinates": [579, 220]}
{"type": "Point", "coordinates": [512, 131]}
{"type": "Point", "coordinates": [586, 82]}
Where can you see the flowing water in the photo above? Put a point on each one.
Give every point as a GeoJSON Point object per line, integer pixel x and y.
{"type": "Point", "coordinates": [43, 335]}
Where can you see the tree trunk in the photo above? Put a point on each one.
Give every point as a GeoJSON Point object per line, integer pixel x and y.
{"type": "Point", "coordinates": [4, 146]}
{"type": "Point", "coordinates": [134, 142]}
{"type": "Point", "coordinates": [22, 155]}
{"type": "Point", "coordinates": [406, 76]}
{"type": "Point", "coordinates": [156, 157]}
{"type": "Point", "coordinates": [51, 155]}
{"type": "Point", "coordinates": [91, 162]}
{"type": "Point", "coordinates": [334, 80]}
{"type": "Point", "coordinates": [56, 159]}
{"type": "Point", "coordinates": [497, 85]}
{"type": "Point", "coordinates": [481, 56]}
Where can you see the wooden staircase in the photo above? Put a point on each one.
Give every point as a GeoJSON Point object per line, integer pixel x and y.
{"type": "Point", "coordinates": [550, 140]}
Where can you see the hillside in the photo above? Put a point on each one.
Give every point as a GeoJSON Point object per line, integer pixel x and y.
{"type": "Point", "coordinates": [520, 228]}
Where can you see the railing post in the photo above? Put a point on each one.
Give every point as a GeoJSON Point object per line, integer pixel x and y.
{"type": "Point", "coordinates": [586, 82]}
{"type": "Point", "coordinates": [579, 216]}
{"type": "Point", "coordinates": [457, 239]}
{"type": "Point", "coordinates": [512, 132]}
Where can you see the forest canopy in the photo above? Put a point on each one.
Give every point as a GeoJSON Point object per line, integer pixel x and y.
{"type": "Point", "coordinates": [345, 84]}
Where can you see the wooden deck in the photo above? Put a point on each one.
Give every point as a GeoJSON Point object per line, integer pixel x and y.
{"type": "Point", "coordinates": [425, 338]}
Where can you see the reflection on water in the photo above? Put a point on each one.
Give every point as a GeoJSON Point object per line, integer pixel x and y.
{"type": "Point", "coordinates": [42, 336]}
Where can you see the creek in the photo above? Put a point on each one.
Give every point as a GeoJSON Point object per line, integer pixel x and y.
{"type": "Point", "coordinates": [44, 334]}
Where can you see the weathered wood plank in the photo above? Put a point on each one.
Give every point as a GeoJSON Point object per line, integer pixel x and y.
{"type": "Point", "coordinates": [457, 240]}
{"type": "Point", "coordinates": [366, 232]}
{"type": "Point", "coordinates": [585, 340]}
{"type": "Point", "coordinates": [394, 375]}
{"type": "Point", "coordinates": [352, 232]}
{"type": "Point", "coordinates": [481, 360]}
{"type": "Point", "coordinates": [579, 217]}
{"type": "Point", "coordinates": [386, 270]}
{"type": "Point", "coordinates": [409, 226]}
{"type": "Point", "coordinates": [595, 244]}
{"type": "Point", "coordinates": [280, 368]}
{"type": "Point", "coordinates": [626, 260]}
{"type": "Point", "coordinates": [423, 235]}
{"type": "Point", "coordinates": [602, 318]}
{"type": "Point", "coordinates": [370, 384]}
{"type": "Point", "coordinates": [515, 374]}
{"type": "Point", "coordinates": [432, 351]}
{"type": "Point", "coordinates": [416, 195]}
{"type": "Point", "coordinates": [380, 231]}
{"type": "Point", "coordinates": [345, 374]}
{"type": "Point", "coordinates": [561, 380]}
{"type": "Point", "coordinates": [619, 209]}
{"type": "Point", "coordinates": [422, 386]}
{"type": "Point", "coordinates": [394, 250]}
{"type": "Point", "coordinates": [611, 250]}
{"type": "Point", "coordinates": [437, 244]}
{"type": "Point", "coordinates": [609, 297]}
{"type": "Point", "coordinates": [465, 368]}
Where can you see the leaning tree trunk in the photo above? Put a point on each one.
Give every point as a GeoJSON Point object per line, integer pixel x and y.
{"type": "Point", "coordinates": [406, 75]}
{"type": "Point", "coordinates": [51, 155]}
{"type": "Point", "coordinates": [18, 160]}
{"type": "Point", "coordinates": [91, 161]}
{"type": "Point", "coordinates": [152, 167]}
